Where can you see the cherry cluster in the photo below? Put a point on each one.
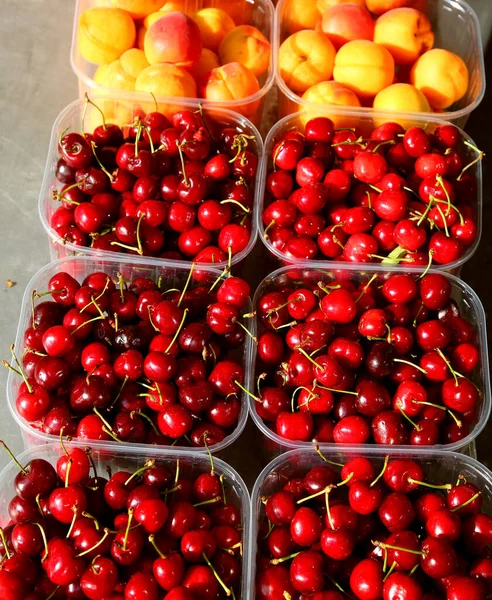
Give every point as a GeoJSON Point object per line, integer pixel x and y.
{"type": "Point", "coordinates": [135, 362]}
{"type": "Point", "coordinates": [357, 533]}
{"type": "Point", "coordinates": [180, 189]}
{"type": "Point", "coordinates": [396, 196]}
{"type": "Point", "coordinates": [384, 359]}
{"type": "Point", "coordinates": [163, 531]}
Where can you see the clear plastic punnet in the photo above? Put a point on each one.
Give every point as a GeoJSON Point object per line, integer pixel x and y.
{"type": "Point", "coordinates": [130, 459]}
{"type": "Point", "coordinates": [259, 13]}
{"type": "Point", "coordinates": [306, 274]}
{"type": "Point", "coordinates": [79, 267]}
{"type": "Point", "coordinates": [456, 28]}
{"type": "Point", "coordinates": [437, 465]}
{"type": "Point", "coordinates": [125, 109]}
{"type": "Point", "coordinates": [364, 123]}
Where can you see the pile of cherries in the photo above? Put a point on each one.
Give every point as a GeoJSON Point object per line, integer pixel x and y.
{"type": "Point", "coordinates": [163, 531]}
{"type": "Point", "coordinates": [372, 533]}
{"type": "Point", "coordinates": [397, 195]}
{"type": "Point", "coordinates": [137, 361]}
{"type": "Point", "coordinates": [386, 359]}
{"type": "Point", "coordinates": [180, 189]}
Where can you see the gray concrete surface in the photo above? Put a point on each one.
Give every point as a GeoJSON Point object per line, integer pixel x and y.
{"type": "Point", "coordinates": [36, 82]}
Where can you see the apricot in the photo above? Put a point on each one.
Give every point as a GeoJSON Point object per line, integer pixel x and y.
{"type": "Point", "coordinates": [441, 76]}
{"type": "Point", "coordinates": [246, 45]}
{"type": "Point", "coordinates": [345, 22]}
{"type": "Point", "coordinates": [364, 67]}
{"type": "Point", "coordinates": [122, 73]}
{"type": "Point", "coordinates": [104, 34]}
{"type": "Point", "coordinates": [240, 11]}
{"type": "Point", "coordinates": [203, 67]}
{"type": "Point", "coordinates": [138, 9]}
{"type": "Point", "coordinates": [100, 74]}
{"type": "Point", "coordinates": [306, 58]}
{"type": "Point", "coordinates": [406, 33]}
{"type": "Point", "coordinates": [298, 15]}
{"type": "Point", "coordinates": [214, 25]}
{"type": "Point", "coordinates": [166, 80]}
{"type": "Point", "coordinates": [174, 38]}
{"type": "Point", "coordinates": [323, 5]}
{"type": "Point", "coordinates": [331, 93]}
{"type": "Point", "coordinates": [378, 7]}
{"type": "Point", "coordinates": [184, 6]}
{"type": "Point", "coordinates": [232, 81]}
{"type": "Point", "coordinates": [401, 97]}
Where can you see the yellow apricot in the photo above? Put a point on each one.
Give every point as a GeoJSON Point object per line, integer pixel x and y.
{"type": "Point", "coordinates": [401, 97]}
{"type": "Point", "coordinates": [138, 9]}
{"type": "Point", "coordinates": [298, 15]}
{"type": "Point", "coordinates": [248, 46]}
{"type": "Point", "coordinates": [204, 66]}
{"type": "Point", "coordinates": [329, 93]}
{"type": "Point", "coordinates": [166, 80]}
{"type": "Point", "coordinates": [214, 25]}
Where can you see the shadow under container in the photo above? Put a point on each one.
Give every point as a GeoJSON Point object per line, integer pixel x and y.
{"type": "Point", "coordinates": [307, 275]}
{"type": "Point", "coordinates": [364, 124]}
{"type": "Point", "coordinates": [456, 28]}
{"type": "Point", "coordinates": [171, 277]}
{"type": "Point", "coordinates": [437, 465]}
{"type": "Point", "coordinates": [191, 464]}
{"type": "Point", "coordinates": [259, 13]}
{"type": "Point", "coordinates": [79, 116]}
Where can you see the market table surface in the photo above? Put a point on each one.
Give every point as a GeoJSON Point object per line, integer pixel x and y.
{"type": "Point", "coordinates": [36, 83]}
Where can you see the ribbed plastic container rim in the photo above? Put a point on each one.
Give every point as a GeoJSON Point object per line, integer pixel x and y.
{"type": "Point", "coordinates": [484, 367]}
{"type": "Point", "coordinates": [372, 452]}
{"type": "Point", "coordinates": [50, 166]}
{"type": "Point", "coordinates": [142, 97]}
{"type": "Point", "coordinates": [333, 264]}
{"type": "Point", "coordinates": [44, 438]}
{"type": "Point", "coordinates": [453, 115]}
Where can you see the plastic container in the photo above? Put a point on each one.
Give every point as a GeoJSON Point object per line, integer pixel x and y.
{"type": "Point", "coordinates": [439, 466]}
{"type": "Point", "coordinates": [72, 117]}
{"type": "Point", "coordinates": [470, 307]}
{"type": "Point", "coordinates": [259, 13]}
{"type": "Point", "coordinates": [456, 28]}
{"type": "Point", "coordinates": [80, 267]}
{"type": "Point", "coordinates": [364, 123]}
{"type": "Point", "coordinates": [194, 464]}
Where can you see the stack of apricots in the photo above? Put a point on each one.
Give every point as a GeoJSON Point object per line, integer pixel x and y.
{"type": "Point", "coordinates": [165, 49]}
{"type": "Point", "coordinates": [372, 53]}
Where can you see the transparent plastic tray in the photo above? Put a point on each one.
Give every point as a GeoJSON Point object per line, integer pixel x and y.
{"type": "Point", "coordinates": [193, 464]}
{"type": "Point", "coordinates": [437, 465]}
{"type": "Point", "coordinates": [72, 117]}
{"type": "Point", "coordinates": [467, 300]}
{"type": "Point", "coordinates": [364, 123]}
{"type": "Point", "coordinates": [80, 267]}
{"type": "Point", "coordinates": [456, 28]}
{"type": "Point", "coordinates": [259, 13]}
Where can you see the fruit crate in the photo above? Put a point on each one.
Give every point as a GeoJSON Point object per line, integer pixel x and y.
{"type": "Point", "coordinates": [456, 29]}
{"type": "Point", "coordinates": [72, 117]}
{"type": "Point", "coordinates": [466, 299]}
{"type": "Point", "coordinates": [192, 464]}
{"type": "Point", "coordinates": [364, 123]}
{"type": "Point", "coordinates": [259, 13]}
{"type": "Point", "coordinates": [438, 465]}
{"type": "Point", "coordinates": [79, 268]}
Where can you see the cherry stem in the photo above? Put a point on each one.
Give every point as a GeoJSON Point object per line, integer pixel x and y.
{"type": "Point", "coordinates": [227, 591]}
{"type": "Point", "coordinates": [426, 212]}
{"type": "Point", "coordinates": [101, 166]}
{"type": "Point", "coordinates": [150, 319]}
{"type": "Point", "coordinates": [474, 162]}
{"type": "Point", "coordinates": [148, 465]}
{"type": "Point", "coordinates": [323, 457]}
{"type": "Point", "coordinates": [110, 407]}
{"type": "Point", "coordinates": [444, 486]}
{"type": "Point", "coordinates": [240, 141]}
{"type": "Point", "coordinates": [89, 101]}
{"type": "Point", "coordinates": [326, 290]}
{"type": "Point", "coordinates": [335, 390]}
{"type": "Point", "coordinates": [107, 427]}
{"type": "Point", "coordinates": [183, 319]}
{"type": "Point", "coordinates": [455, 418]}
{"type": "Point", "coordinates": [19, 366]}
{"type": "Point", "coordinates": [45, 541]}
{"type": "Point", "coordinates": [384, 546]}
{"type": "Point", "coordinates": [469, 501]}
{"type": "Point", "coordinates": [407, 362]}
{"type": "Point", "coordinates": [260, 377]}
{"type": "Point", "coordinates": [446, 230]}
{"type": "Point", "coordinates": [74, 518]}
{"type": "Point", "coordinates": [366, 287]}
{"type": "Point", "coordinates": [11, 454]}
{"type": "Point", "coordinates": [254, 338]}
{"type": "Point", "coordinates": [204, 120]}
{"type": "Point", "coordinates": [87, 322]}
{"type": "Point", "coordinates": [89, 516]}
{"type": "Point", "coordinates": [127, 531]}
{"type": "Point", "coordinates": [106, 533]}
{"type": "Point", "coordinates": [291, 324]}
{"type": "Point", "coordinates": [246, 391]}
{"type": "Point", "coordinates": [278, 561]}
{"type": "Point", "coordinates": [33, 322]}
{"type": "Point", "coordinates": [276, 153]}
{"type": "Point", "coordinates": [381, 473]}
{"type": "Point", "coordinates": [156, 548]}
{"type": "Point", "coordinates": [181, 157]}
{"type": "Point", "coordinates": [183, 292]}
{"type": "Point", "coordinates": [97, 297]}
{"type": "Point", "coordinates": [306, 403]}
{"type": "Point", "coordinates": [429, 264]}
{"type": "Point", "coordinates": [222, 485]}
{"type": "Point", "coordinates": [231, 200]}
{"type": "Point", "coordinates": [67, 473]}
{"type": "Point", "coordinates": [146, 418]}
{"type": "Point", "coordinates": [412, 423]}
{"type": "Point", "coordinates": [317, 365]}
{"type": "Point", "coordinates": [271, 224]}
{"type": "Point", "coordinates": [270, 529]}
{"type": "Point", "coordinates": [390, 142]}
{"type": "Point", "coordinates": [454, 373]}
{"type": "Point", "coordinates": [328, 511]}
{"type": "Point", "coordinates": [4, 542]}
{"type": "Point", "coordinates": [391, 569]}
{"type": "Point", "coordinates": [375, 188]}
{"type": "Point", "coordinates": [325, 490]}
{"type": "Point", "coordinates": [210, 501]}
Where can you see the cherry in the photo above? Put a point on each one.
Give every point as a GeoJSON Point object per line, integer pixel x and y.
{"type": "Point", "coordinates": [306, 572]}
{"type": "Point", "coordinates": [399, 585]}
{"type": "Point", "coordinates": [438, 559]}
{"type": "Point", "coordinates": [366, 580]}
